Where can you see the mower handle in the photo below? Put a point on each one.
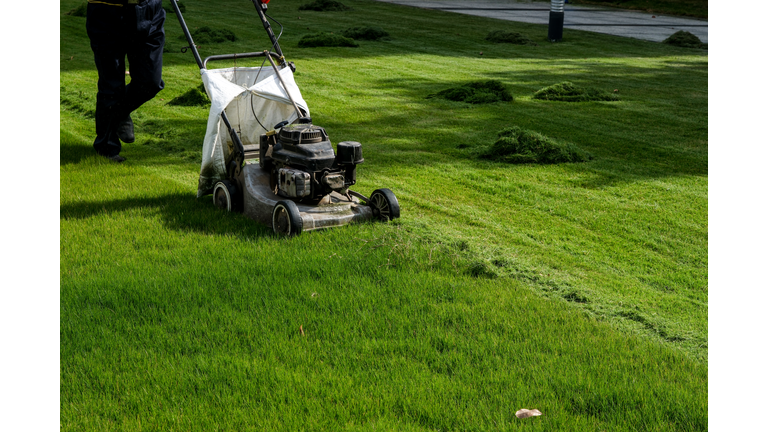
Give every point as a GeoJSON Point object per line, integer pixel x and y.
{"type": "Point", "coordinates": [185, 29]}
{"type": "Point", "coordinates": [260, 7]}
{"type": "Point", "coordinates": [237, 56]}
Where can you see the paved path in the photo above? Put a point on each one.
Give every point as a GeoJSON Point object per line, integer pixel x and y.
{"type": "Point", "coordinates": [639, 25]}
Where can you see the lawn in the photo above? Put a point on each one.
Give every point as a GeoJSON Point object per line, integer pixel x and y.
{"type": "Point", "coordinates": [579, 289]}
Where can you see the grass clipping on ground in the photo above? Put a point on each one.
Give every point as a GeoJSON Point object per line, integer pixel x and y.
{"type": "Point", "coordinates": [476, 92]}
{"type": "Point", "coordinates": [568, 92]}
{"type": "Point", "coordinates": [518, 146]}
{"type": "Point", "coordinates": [365, 33]}
{"type": "Point", "coordinates": [326, 40]}
{"type": "Point", "coordinates": [325, 6]}
{"type": "Point", "coordinates": [684, 39]}
{"type": "Point", "coordinates": [207, 35]}
{"type": "Point", "coordinates": [193, 97]}
{"type": "Point", "coordinates": [502, 36]}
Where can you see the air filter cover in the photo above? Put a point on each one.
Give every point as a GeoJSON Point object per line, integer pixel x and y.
{"type": "Point", "coordinates": [349, 152]}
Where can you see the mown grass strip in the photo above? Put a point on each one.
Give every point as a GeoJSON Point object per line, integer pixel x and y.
{"type": "Point", "coordinates": [591, 302]}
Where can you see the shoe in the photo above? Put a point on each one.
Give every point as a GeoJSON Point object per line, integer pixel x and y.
{"type": "Point", "coordinates": [125, 130]}
{"type": "Point", "coordinates": [115, 158]}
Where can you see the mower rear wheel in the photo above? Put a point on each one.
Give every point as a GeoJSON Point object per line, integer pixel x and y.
{"type": "Point", "coordinates": [384, 205]}
{"type": "Point", "coordinates": [226, 196]}
{"type": "Point", "coordinates": [286, 219]}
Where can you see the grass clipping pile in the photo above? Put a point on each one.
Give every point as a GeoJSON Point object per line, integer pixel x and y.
{"type": "Point", "coordinates": [476, 92]}
{"type": "Point", "coordinates": [685, 39]}
{"type": "Point", "coordinates": [502, 36]}
{"type": "Point", "coordinates": [568, 92]}
{"type": "Point", "coordinates": [325, 6]}
{"type": "Point", "coordinates": [365, 33]}
{"type": "Point", "coordinates": [520, 146]}
{"type": "Point", "coordinates": [193, 97]}
{"type": "Point", "coordinates": [207, 35]}
{"type": "Point", "coordinates": [326, 40]}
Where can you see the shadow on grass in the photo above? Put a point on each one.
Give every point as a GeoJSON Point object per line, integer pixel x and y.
{"type": "Point", "coordinates": [180, 138]}
{"type": "Point", "coordinates": [70, 153]}
{"type": "Point", "coordinates": [178, 211]}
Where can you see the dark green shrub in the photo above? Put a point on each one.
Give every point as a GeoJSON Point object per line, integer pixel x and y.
{"type": "Point", "coordinates": [195, 96]}
{"type": "Point", "coordinates": [365, 33]}
{"type": "Point", "coordinates": [568, 92]}
{"type": "Point", "coordinates": [476, 92]}
{"type": "Point", "coordinates": [325, 6]}
{"type": "Point", "coordinates": [502, 36]}
{"type": "Point", "coordinates": [684, 39]}
{"type": "Point", "coordinates": [517, 145]}
{"type": "Point", "coordinates": [207, 35]}
{"type": "Point", "coordinates": [326, 40]}
{"type": "Point", "coordinates": [79, 11]}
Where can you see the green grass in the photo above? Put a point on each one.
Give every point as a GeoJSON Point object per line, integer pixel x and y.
{"type": "Point", "coordinates": [577, 289]}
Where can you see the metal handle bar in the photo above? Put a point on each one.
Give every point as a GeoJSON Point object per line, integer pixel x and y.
{"type": "Point", "coordinates": [280, 77]}
{"type": "Point", "coordinates": [237, 56]}
{"type": "Point", "coordinates": [202, 64]}
{"type": "Point", "coordinates": [187, 34]}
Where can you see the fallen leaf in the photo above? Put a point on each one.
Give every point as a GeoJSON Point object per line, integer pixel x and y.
{"type": "Point", "coordinates": [314, 294]}
{"type": "Point", "coordinates": [525, 413]}
{"type": "Point", "coordinates": [301, 329]}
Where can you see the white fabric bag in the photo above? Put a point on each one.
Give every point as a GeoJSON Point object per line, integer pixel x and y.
{"type": "Point", "coordinates": [255, 101]}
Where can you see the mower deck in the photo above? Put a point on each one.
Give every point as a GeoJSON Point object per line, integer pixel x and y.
{"type": "Point", "coordinates": [335, 210]}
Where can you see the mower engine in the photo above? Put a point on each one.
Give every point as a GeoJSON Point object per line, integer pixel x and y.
{"type": "Point", "coordinates": [302, 163]}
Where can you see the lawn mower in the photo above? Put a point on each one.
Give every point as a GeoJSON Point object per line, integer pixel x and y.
{"type": "Point", "coordinates": [286, 176]}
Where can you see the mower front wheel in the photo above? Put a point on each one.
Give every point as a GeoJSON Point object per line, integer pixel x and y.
{"type": "Point", "coordinates": [226, 196]}
{"type": "Point", "coordinates": [384, 205]}
{"type": "Point", "coordinates": [286, 219]}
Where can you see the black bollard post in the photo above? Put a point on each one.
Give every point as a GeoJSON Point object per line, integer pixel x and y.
{"type": "Point", "coordinates": [556, 17]}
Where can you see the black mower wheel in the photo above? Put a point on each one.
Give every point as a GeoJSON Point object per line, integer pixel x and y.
{"type": "Point", "coordinates": [286, 219]}
{"type": "Point", "coordinates": [384, 205]}
{"type": "Point", "coordinates": [226, 196]}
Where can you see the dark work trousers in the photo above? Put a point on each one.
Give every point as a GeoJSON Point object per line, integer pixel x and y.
{"type": "Point", "coordinates": [117, 32]}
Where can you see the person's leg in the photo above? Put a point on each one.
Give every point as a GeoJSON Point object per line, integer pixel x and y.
{"type": "Point", "coordinates": [105, 25]}
{"type": "Point", "coordinates": [145, 55]}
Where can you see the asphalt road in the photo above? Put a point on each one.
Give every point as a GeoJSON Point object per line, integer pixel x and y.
{"type": "Point", "coordinates": [618, 22]}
